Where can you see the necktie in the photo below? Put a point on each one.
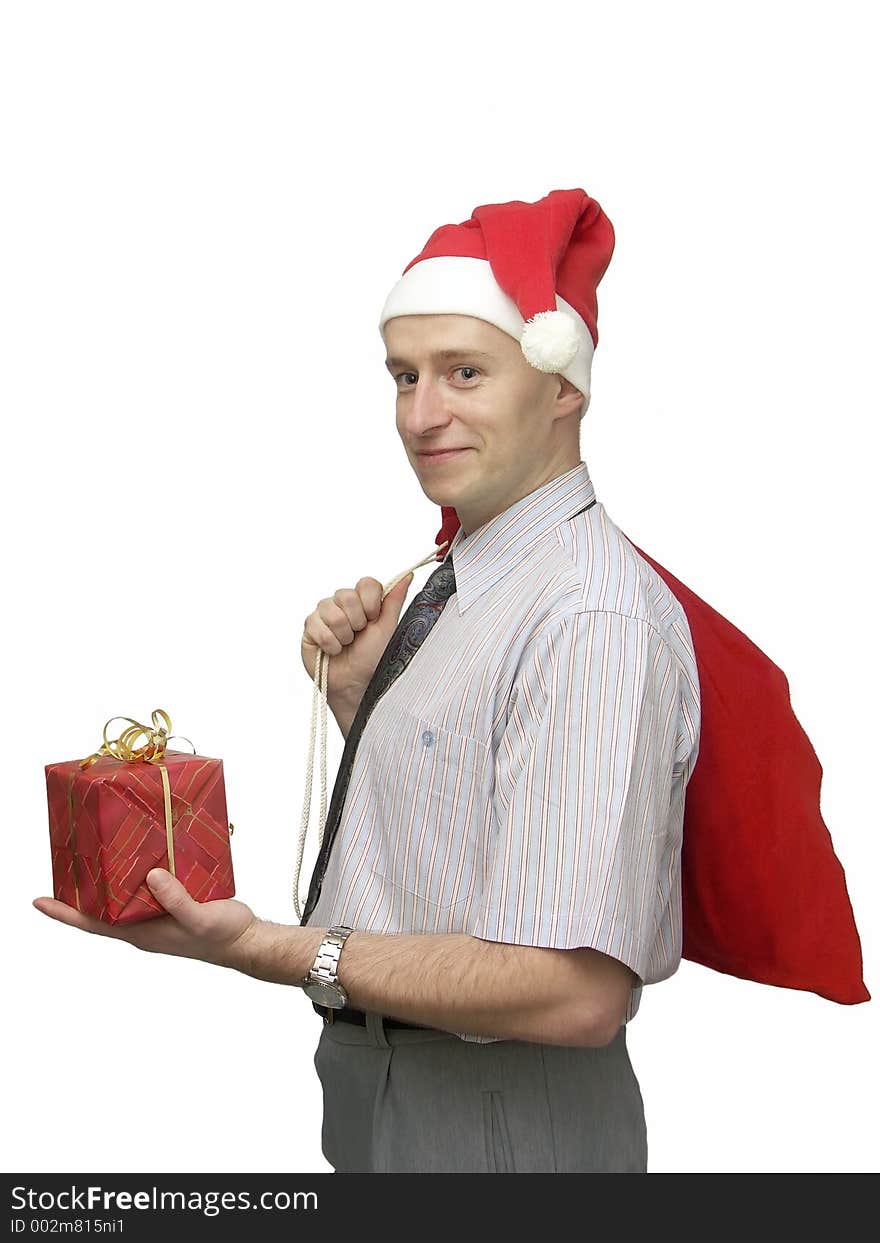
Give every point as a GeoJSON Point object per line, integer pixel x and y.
{"type": "Point", "coordinates": [411, 632]}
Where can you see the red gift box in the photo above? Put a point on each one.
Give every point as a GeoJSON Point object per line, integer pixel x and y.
{"type": "Point", "coordinates": [124, 810]}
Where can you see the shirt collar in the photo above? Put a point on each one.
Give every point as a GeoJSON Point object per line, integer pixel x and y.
{"type": "Point", "coordinates": [484, 556]}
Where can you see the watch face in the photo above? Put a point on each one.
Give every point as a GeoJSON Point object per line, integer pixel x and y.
{"type": "Point", "coordinates": [325, 994]}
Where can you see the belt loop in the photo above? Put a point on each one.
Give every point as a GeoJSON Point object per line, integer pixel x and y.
{"type": "Point", "coordinates": [376, 1029]}
{"type": "Point", "coordinates": [328, 1016]}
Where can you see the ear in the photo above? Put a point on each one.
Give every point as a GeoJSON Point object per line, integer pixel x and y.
{"type": "Point", "coordinates": [569, 399]}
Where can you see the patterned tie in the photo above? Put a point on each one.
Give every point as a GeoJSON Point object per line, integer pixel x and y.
{"type": "Point", "coordinates": [411, 632]}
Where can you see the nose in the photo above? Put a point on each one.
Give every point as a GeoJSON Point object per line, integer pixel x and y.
{"type": "Point", "coordinates": [424, 409]}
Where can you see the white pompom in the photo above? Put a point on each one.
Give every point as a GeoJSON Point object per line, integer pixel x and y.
{"type": "Point", "coordinates": [550, 340]}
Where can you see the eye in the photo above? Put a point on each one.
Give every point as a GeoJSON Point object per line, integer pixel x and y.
{"type": "Point", "coordinates": [473, 372]}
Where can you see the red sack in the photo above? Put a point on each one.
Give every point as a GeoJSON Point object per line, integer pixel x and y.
{"type": "Point", "coordinates": [764, 896]}
{"type": "Point", "coordinates": [122, 811]}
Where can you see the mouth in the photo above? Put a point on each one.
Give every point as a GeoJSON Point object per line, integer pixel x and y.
{"type": "Point", "coordinates": [432, 456]}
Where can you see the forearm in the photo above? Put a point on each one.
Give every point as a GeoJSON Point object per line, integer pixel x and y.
{"type": "Point", "coordinates": [452, 981]}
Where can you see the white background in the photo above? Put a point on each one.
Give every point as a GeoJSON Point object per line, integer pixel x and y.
{"type": "Point", "coordinates": [204, 207]}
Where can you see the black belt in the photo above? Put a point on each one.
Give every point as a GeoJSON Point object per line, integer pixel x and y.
{"type": "Point", "coordinates": [347, 1015]}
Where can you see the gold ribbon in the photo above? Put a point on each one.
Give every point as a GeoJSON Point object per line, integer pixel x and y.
{"type": "Point", "coordinates": [151, 752]}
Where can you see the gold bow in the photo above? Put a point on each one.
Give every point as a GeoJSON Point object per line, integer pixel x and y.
{"type": "Point", "coordinates": [123, 748]}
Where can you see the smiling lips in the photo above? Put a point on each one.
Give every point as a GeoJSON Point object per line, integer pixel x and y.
{"type": "Point", "coordinates": [442, 455]}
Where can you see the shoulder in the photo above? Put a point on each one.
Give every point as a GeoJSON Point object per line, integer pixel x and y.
{"type": "Point", "coordinates": [591, 567]}
{"type": "Point", "coordinates": [599, 585]}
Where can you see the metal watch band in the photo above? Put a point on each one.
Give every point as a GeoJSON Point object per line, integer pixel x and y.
{"type": "Point", "coordinates": [327, 960]}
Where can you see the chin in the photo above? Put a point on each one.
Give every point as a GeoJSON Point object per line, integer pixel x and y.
{"type": "Point", "coordinates": [440, 496]}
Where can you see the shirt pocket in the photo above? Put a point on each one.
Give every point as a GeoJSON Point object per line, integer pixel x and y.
{"type": "Point", "coordinates": [433, 808]}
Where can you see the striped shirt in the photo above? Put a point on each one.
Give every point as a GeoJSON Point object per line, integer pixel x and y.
{"type": "Point", "coordinates": [523, 779]}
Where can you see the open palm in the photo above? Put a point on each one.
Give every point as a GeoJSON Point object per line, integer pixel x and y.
{"type": "Point", "coordinates": [210, 931]}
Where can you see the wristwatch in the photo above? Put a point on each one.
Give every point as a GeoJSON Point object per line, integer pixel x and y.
{"type": "Point", "coordinates": [321, 984]}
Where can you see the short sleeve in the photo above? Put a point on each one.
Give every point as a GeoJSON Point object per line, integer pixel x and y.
{"type": "Point", "coordinates": [584, 844]}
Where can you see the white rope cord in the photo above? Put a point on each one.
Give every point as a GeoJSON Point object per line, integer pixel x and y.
{"type": "Point", "coordinates": [319, 695]}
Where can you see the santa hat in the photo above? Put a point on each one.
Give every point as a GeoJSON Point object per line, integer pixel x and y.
{"type": "Point", "coordinates": [531, 269]}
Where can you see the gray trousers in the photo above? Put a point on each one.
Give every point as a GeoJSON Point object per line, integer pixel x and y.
{"type": "Point", "coordinates": [402, 1100]}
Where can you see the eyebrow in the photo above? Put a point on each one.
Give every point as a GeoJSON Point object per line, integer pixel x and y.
{"type": "Point", "coordinates": [441, 354]}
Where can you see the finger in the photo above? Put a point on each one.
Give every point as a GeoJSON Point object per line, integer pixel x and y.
{"type": "Point", "coordinates": [322, 636]}
{"type": "Point", "coordinates": [70, 915]}
{"type": "Point", "coordinates": [334, 616]}
{"type": "Point", "coordinates": [370, 592]}
{"type": "Point", "coordinates": [353, 606]}
{"type": "Point", "coordinates": [175, 898]}
{"type": "Point", "coordinates": [399, 590]}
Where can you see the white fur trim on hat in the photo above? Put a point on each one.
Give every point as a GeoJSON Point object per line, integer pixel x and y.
{"type": "Point", "coordinates": [461, 285]}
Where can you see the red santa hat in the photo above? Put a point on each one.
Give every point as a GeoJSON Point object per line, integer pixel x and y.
{"type": "Point", "coordinates": [531, 269]}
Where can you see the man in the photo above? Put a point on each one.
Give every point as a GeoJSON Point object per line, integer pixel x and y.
{"type": "Point", "coordinates": [504, 862]}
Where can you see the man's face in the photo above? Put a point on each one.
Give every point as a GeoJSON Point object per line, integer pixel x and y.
{"type": "Point", "coordinates": [480, 425]}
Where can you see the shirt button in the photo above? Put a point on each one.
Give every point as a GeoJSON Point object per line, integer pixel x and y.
{"type": "Point", "coordinates": [428, 737]}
